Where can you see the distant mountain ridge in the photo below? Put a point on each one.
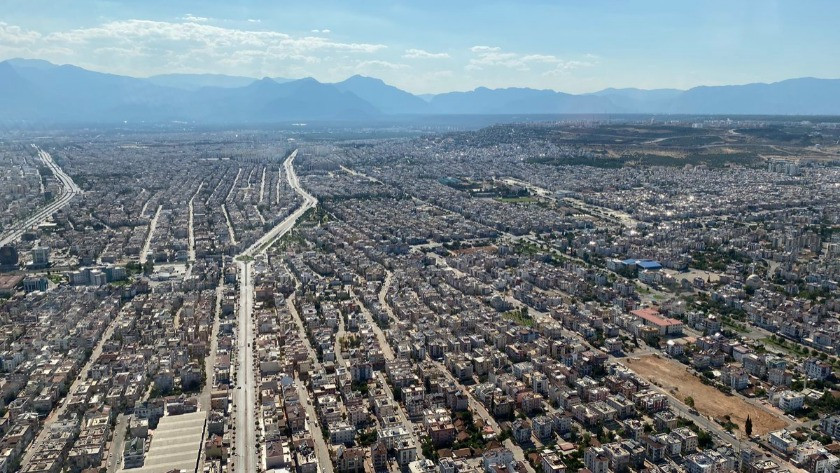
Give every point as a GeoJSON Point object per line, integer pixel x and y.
{"type": "Point", "coordinates": [36, 91]}
{"type": "Point", "coordinates": [197, 81]}
{"type": "Point", "coordinates": [386, 98]}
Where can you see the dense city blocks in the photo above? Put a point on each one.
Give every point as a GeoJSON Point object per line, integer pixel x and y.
{"type": "Point", "coordinates": [396, 236]}
{"type": "Point", "coordinates": [564, 296]}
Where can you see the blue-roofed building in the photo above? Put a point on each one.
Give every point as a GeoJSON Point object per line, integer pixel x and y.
{"type": "Point", "coordinates": [647, 264]}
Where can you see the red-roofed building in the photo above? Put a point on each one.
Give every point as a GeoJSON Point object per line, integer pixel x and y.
{"type": "Point", "coordinates": [652, 318]}
{"type": "Point", "coordinates": [8, 282]}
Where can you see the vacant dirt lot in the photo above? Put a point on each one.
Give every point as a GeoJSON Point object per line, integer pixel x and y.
{"type": "Point", "coordinates": [673, 377]}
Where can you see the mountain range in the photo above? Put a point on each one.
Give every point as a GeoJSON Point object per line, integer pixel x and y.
{"type": "Point", "coordinates": [39, 92]}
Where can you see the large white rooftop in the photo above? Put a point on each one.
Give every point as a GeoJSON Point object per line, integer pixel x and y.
{"type": "Point", "coordinates": [176, 444]}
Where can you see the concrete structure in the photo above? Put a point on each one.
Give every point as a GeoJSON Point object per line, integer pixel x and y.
{"type": "Point", "coordinates": [651, 318]}
{"type": "Point", "coordinates": [40, 257]}
{"type": "Point", "coordinates": [176, 444]}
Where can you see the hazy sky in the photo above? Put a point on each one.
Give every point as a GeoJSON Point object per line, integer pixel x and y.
{"type": "Point", "coordinates": [433, 46]}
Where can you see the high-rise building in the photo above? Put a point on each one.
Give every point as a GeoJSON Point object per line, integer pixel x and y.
{"type": "Point", "coordinates": [41, 256]}
{"type": "Point", "coordinates": [8, 257]}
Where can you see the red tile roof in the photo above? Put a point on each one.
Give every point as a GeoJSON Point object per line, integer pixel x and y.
{"type": "Point", "coordinates": [652, 316]}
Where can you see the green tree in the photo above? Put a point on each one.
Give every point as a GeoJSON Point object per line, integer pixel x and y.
{"type": "Point", "coordinates": [704, 439]}
{"type": "Point", "coordinates": [429, 450]}
{"type": "Point", "coordinates": [748, 426]}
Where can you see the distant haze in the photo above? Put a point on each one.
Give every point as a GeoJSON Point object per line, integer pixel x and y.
{"type": "Point", "coordinates": [36, 91]}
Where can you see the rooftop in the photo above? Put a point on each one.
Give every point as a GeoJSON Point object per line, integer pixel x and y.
{"type": "Point", "coordinates": [652, 315]}
{"type": "Point", "coordinates": [175, 444]}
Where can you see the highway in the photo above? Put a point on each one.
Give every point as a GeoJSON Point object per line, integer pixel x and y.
{"type": "Point", "coordinates": [69, 189]}
{"type": "Point", "coordinates": [278, 231]}
{"type": "Point", "coordinates": [245, 456]}
{"type": "Point", "coordinates": [245, 395]}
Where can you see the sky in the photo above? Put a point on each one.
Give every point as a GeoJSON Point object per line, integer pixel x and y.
{"type": "Point", "coordinates": [436, 46]}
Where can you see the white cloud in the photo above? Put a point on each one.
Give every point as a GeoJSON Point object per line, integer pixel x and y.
{"type": "Point", "coordinates": [374, 64]}
{"type": "Point", "coordinates": [254, 20]}
{"type": "Point", "coordinates": [493, 57]}
{"type": "Point", "coordinates": [564, 67]}
{"type": "Point", "coordinates": [481, 49]}
{"type": "Point", "coordinates": [485, 56]}
{"type": "Point", "coordinates": [193, 18]}
{"type": "Point", "coordinates": [544, 58]}
{"type": "Point", "coordinates": [192, 35]}
{"type": "Point", "coordinates": [145, 47]}
{"type": "Point", "coordinates": [324, 31]}
{"type": "Point", "coordinates": [421, 54]}
{"type": "Point", "coordinates": [175, 34]}
{"type": "Point", "coordinates": [11, 35]}
{"type": "Point", "coordinates": [135, 51]}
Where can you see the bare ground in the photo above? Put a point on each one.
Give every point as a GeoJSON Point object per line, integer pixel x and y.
{"type": "Point", "coordinates": [673, 377]}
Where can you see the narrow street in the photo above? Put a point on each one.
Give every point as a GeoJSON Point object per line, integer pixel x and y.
{"type": "Point", "coordinates": [59, 411]}
{"type": "Point", "coordinates": [475, 406]}
{"type": "Point", "coordinates": [339, 336]}
{"type": "Point", "coordinates": [191, 225]}
{"type": "Point", "coordinates": [262, 186]}
{"type": "Point", "coordinates": [152, 225]}
{"type": "Point", "coordinates": [380, 335]}
{"type": "Point", "coordinates": [383, 292]}
{"type": "Point", "coordinates": [388, 351]}
{"type": "Point", "coordinates": [231, 233]}
{"type": "Point", "coordinates": [210, 359]}
{"type": "Point", "coordinates": [406, 422]}
{"type": "Point", "coordinates": [322, 450]}
{"type": "Point", "coordinates": [114, 460]}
